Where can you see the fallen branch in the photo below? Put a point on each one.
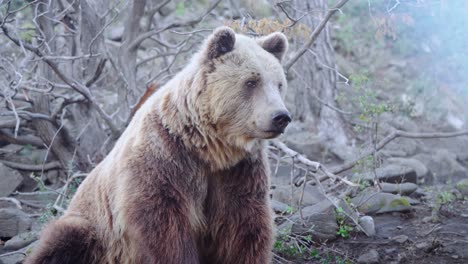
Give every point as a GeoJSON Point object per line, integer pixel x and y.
{"type": "Point", "coordinates": [28, 167]}
{"type": "Point", "coordinates": [313, 166]}
{"type": "Point", "coordinates": [314, 35]}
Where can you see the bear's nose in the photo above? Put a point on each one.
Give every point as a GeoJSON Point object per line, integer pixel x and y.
{"type": "Point", "coordinates": [280, 120]}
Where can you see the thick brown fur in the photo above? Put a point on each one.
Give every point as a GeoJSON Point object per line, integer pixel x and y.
{"type": "Point", "coordinates": [187, 182]}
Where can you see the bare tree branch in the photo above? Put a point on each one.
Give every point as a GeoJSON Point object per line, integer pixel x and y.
{"type": "Point", "coordinates": [135, 43]}
{"type": "Point", "coordinates": [80, 88]}
{"type": "Point", "coordinates": [313, 36]}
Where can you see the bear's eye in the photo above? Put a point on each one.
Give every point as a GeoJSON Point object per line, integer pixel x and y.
{"type": "Point", "coordinates": [280, 86]}
{"type": "Point", "coordinates": [251, 84]}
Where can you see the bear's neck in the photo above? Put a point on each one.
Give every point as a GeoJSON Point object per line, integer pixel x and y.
{"type": "Point", "coordinates": [201, 138]}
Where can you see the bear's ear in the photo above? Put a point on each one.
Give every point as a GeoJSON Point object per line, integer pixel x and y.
{"type": "Point", "coordinates": [275, 43]}
{"type": "Point", "coordinates": [220, 42]}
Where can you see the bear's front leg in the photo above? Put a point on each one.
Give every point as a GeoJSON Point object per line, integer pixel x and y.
{"type": "Point", "coordinates": [241, 226]}
{"type": "Point", "coordinates": [159, 228]}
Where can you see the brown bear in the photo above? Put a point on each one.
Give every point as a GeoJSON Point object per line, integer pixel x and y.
{"type": "Point", "coordinates": [188, 180]}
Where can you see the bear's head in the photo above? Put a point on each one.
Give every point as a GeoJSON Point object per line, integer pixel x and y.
{"type": "Point", "coordinates": [243, 85]}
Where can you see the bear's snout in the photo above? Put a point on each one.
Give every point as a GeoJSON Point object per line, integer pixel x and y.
{"type": "Point", "coordinates": [280, 120]}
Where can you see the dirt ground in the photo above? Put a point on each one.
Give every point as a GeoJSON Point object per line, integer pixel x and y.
{"type": "Point", "coordinates": [407, 238]}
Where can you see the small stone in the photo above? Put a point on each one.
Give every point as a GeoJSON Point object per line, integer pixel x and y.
{"type": "Point", "coordinates": [367, 223]}
{"type": "Point", "coordinates": [455, 256]}
{"type": "Point", "coordinates": [390, 250]}
{"type": "Point", "coordinates": [370, 257]}
{"type": "Point", "coordinates": [400, 239]}
{"type": "Point", "coordinates": [422, 245]}
{"type": "Point", "coordinates": [427, 219]}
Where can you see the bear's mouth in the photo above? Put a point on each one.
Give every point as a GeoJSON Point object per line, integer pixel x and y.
{"type": "Point", "coordinates": [272, 133]}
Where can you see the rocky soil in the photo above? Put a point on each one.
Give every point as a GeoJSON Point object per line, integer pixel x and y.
{"type": "Point", "coordinates": [417, 213]}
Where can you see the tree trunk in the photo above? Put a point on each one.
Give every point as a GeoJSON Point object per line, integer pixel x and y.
{"type": "Point", "coordinates": [128, 55]}
{"type": "Point", "coordinates": [55, 137]}
{"type": "Point", "coordinates": [85, 125]}
{"type": "Point", "coordinates": [318, 68]}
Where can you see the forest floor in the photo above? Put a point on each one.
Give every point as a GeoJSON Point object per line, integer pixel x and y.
{"type": "Point", "coordinates": [409, 238]}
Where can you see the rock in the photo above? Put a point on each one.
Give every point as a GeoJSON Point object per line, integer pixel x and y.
{"type": "Point", "coordinates": [53, 176]}
{"type": "Point", "coordinates": [379, 202]}
{"type": "Point", "coordinates": [8, 202]}
{"type": "Point", "coordinates": [403, 145]}
{"type": "Point", "coordinates": [405, 188]}
{"type": "Point", "coordinates": [21, 241]}
{"type": "Point", "coordinates": [13, 222]}
{"type": "Point", "coordinates": [393, 153]}
{"type": "Point", "coordinates": [16, 258]}
{"type": "Point", "coordinates": [19, 255]}
{"type": "Point", "coordinates": [391, 173]}
{"type": "Point", "coordinates": [462, 186]}
{"type": "Point", "coordinates": [38, 199]}
{"type": "Point", "coordinates": [10, 180]}
{"type": "Point", "coordinates": [312, 195]}
{"type": "Point", "coordinates": [279, 207]}
{"type": "Point", "coordinates": [422, 245]}
{"type": "Point", "coordinates": [319, 222]}
{"type": "Point", "coordinates": [282, 175]}
{"type": "Point", "coordinates": [403, 123]}
{"type": "Point", "coordinates": [370, 257]}
{"type": "Point", "coordinates": [11, 149]}
{"type": "Point", "coordinates": [411, 200]}
{"type": "Point", "coordinates": [306, 143]}
{"type": "Point", "coordinates": [419, 193]}
{"type": "Point", "coordinates": [400, 239]}
{"type": "Point", "coordinates": [351, 213]}
{"type": "Point", "coordinates": [444, 166]}
{"type": "Point", "coordinates": [367, 223]}
{"type": "Point", "coordinates": [421, 170]}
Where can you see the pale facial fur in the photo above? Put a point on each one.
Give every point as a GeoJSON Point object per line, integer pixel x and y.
{"type": "Point", "coordinates": [246, 89]}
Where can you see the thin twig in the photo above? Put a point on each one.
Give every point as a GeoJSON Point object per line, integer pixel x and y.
{"type": "Point", "coordinates": [322, 189]}
{"type": "Point", "coordinates": [314, 35]}
{"type": "Point", "coordinates": [137, 41]}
